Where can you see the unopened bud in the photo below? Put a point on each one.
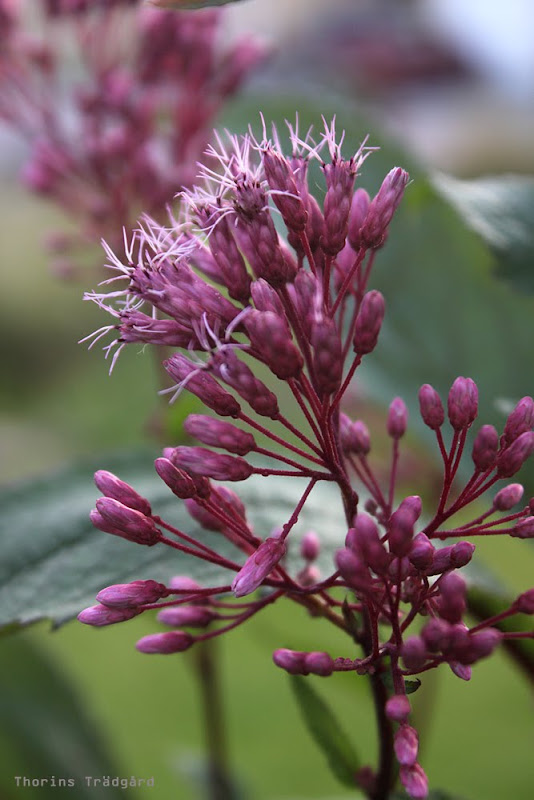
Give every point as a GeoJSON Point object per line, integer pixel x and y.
{"type": "Point", "coordinates": [187, 616]}
{"type": "Point", "coordinates": [421, 552]}
{"type": "Point", "coordinates": [318, 663]}
{"type": "Point", "coordinates": [113, 517]}
{"type": "Point", "coordinates": [203, 385]}
{"type": "Point", "coordinates": [98, 616]}
{"type": "Point", "coordinates": [485, 448]}
{"type": "Point", "coordinates": [368, 322]}
{"type": "Point", "coordinates": [431, 407]}
{"type": "Point", "coordinates": [520, 420]}
{"type": "Point", "coordinates": [524, 529]}
{"type": "Point", "coordinates": [414, 653]}
{"type": "Point", "coordinates": [398, 708]}
{"type": "Point", "coordinates": [512, 459]}
{"type": "Point", "coordinates": [131, 595]}
{"type": "Point", "coordinates": [310, 546]}
{"type": "Point", "coordinates": [525, 603]}
{"type": "Point", "coordinates": [382, 208]}
{"type": "Point", "coordinates": [353, 570]}
{"type": "Point", "coordinates": [406, 745]}
{"type": "Point", "coordinates": [397, 419]}
{"type": "Point", "coordinates": [508, 497]}
{"type": "Point", "coordinates": [436, 634]}
{"type": "Point", "coordinates": [201, 461]}
{"type": "Point", "coordinates": [290, 660]}
{"type": "Point", "coordinates": [357, 215]}
{"type": "Point", "coordinates": [111, 486]}
{"type": "Point", "coordinates": [217, 433]}
{"type": "Point", "coordinates": [179, 482]}
{"type": "Point", "coordinates": [462, 403]}
{"type": "Point", "coordinates": [258, 566]}
{"type": "Point", "coordinates": [165, 643]}
{"type": "Point", "coordinates": [414, 780]}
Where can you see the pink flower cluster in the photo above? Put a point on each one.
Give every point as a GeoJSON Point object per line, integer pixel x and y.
{"type": "Point", "coordinates": [255, 313]}
{"type": "Point", "coordinates": [134, 121]}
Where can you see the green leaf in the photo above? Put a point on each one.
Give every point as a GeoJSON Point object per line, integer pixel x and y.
{"type": "Point", "coordinates": [54, 561]}
{"type": "Point", "coordinates": [500, 209]}
{"type": "Point", "coordinates": [324, 729]}
{"type": "Point", "coordinates": [44, 729]}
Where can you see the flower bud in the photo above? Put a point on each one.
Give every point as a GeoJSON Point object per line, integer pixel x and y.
{"type": "Point", "coordinates": [258, 566]}
{"type": "Point", "coordinates": [513, 458]}
{"type": "Point", "coordinates": [485, 448]}
{"type": "Point", "coordinates": [421, 552]}
{"type": "Point", "coordinates": [165, 643]}
{"type": "Point", "coordinates": [462, 403]}
{"type": "Point", "coordinates": [508, 497]}
{"type": "Point", "coordinates": [318, 663]}
{"type": "Point", "coordinates": [524, 528]}
{"type": "Point", "coordinates": [204, 462]}
{"type": "Point", "coordinates": [368, 322]}
{"type": "Point", "coordinates": [353, 570]}
{"type": "Point", "coordinates": [414, 780]}
{"type": "Point", "coordinates": [460, 670]}
{"type": "Point", "coordinates": [179, 482]}
{"type": "Point", "coordinates": [111, 486]}
{"type": "Point", "coordinates": [451, 603]}
{"type": "Point", "coordinates": [290, 660]}
{"type": "Point", "coordinates": [130, 595]}
{"type": "Point", "coordinates": [398, 708]}
{"type": "Point", "coordinates": [187, 616]}
{"type": "Point", "coordinates": [203, 385]}
{"type": "Point", "coordinates": [271, 336]}
{"type": "Point", "coordinates": [397, 419]}
{"type": "Point", "coordinates": [217, 433]}
{"type": "Point", "coordinates": [520, 420]}
{"type": "Point", "coordinates": [327, 356]}
{"type": "Point", "coordinates": [357, 215]}
{"type": "Point", "coordinates": [98, 616]}
{"type": "Point", "coordinates": [310, 546]}
{"type": "Point", "coordinates": [113, 517]}
{"type": "Point", "coordinates": [431, 407]}
{"type": "Point", "coordinates": [382, 208]}
{"type": "Point", "coordinates": [436, 634]}
{"type": "Point", "coordinates": [406, 745]}
{"type": "Point", "coordinates": [525, 603]}
{"type": "Point", "coordinates": [414, 653]}
{"type": "Point", "coordinates": [401, 525]}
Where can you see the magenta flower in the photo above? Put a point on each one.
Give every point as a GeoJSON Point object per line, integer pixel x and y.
{"type": "Point", "coordinates": [237, 295]}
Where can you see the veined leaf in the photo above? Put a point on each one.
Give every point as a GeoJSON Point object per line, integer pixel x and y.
{"type": "Point", "coordinates": [324, 729]}
{"type": "Point", "coordinates": [54, 561]}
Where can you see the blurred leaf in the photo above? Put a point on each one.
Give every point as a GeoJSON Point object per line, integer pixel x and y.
{"type": "Point", "coordinates": [500, 209]}
{"type": "Point", "coordinates": [324, 729]}
{"type": "Point", "coordinates": [44, 729]}
{"type": "Point", "coordinates": [54, 561]}
{"type": "Point", "coordinates": [412, 686]}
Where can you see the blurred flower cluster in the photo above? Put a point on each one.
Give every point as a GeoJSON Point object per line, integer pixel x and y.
{"type": "Point", "coordinates": [116, 103]}
{"type": "Point", "coordinates": [264, 320]}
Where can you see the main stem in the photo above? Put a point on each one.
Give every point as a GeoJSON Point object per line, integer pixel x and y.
{"type": "Point", "coordinates": [385, 776]}
{"type": "Point", "coordinates": [220, 785]}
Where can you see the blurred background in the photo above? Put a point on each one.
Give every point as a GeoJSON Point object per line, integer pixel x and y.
{"type": "Point", "coordinates": [443, 86]}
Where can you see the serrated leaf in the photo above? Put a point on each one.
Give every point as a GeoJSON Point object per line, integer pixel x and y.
{"type": "Point", "coordinates": [500, 209]}
{"type": "Point", "coordinates": [44, 729]}
{"type": "Point", "coordinates": [54, 561]}
{"type": "Point", "coordinates": [324, 729]}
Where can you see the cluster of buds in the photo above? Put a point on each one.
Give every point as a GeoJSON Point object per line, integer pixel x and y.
{"type": "Point", "coordinates": [224, 286]}
{"type": "Point", "coordinates": [130, 131]}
